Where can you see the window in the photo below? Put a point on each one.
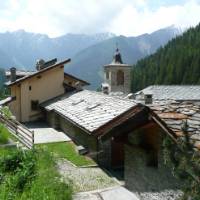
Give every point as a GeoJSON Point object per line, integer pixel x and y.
{"type": "Point", "coordinates": [34, 104]}
{"type": "Point", "coordinates": [30, 88]}
{"type": "Point", "coordinates": [107, 75]}
{"type": "Point", "coordinates": [120, 77]}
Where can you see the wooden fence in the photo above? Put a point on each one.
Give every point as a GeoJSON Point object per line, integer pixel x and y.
{"type": "Point", "coordinates": [18, 130]}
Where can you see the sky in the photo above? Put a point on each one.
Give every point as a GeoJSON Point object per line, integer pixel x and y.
{"type": "Point", "coordinates": [122, 17]}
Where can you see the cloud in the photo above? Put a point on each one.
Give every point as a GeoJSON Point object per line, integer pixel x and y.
{"type": "Point", "coordinates": [135, 22]}
{"type": "Point", "coordinates": [125, 17]}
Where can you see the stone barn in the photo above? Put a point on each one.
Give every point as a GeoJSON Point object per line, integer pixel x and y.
{"type": "Point", "coordinates": [86, 116]}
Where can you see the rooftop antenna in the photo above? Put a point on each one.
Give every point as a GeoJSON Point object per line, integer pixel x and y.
{"type": "Point", "coordinates": [117, 49]}
{"type": "Point", "coordinates": [117, 56]}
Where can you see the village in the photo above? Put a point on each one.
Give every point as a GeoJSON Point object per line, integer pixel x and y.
{"type": "Point", "coordinates": [116, 136]}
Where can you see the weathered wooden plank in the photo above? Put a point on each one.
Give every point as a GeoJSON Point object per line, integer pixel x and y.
{"type": "Point", "coordinates": [22, 133]}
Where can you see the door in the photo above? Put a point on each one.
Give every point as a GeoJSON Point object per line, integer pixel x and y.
{"type": "Point", "coordinates": [117, 153]}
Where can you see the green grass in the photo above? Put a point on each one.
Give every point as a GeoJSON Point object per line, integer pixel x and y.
{"type": "Point", "coordinates": [67, 150]}
{"type": "Point", "coordinates": [4, 134]}
{"type": "Point", "coordinates": [46, 183]}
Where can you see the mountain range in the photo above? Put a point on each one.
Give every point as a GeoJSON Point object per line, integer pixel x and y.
{"type": "Point", "coordinates": [22, 49]}
{"type": "Point", "coordinates": [88, 52]}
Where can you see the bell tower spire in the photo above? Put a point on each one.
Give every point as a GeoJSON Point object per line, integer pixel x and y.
{"type": "Point", "coordinates": [117, 58]}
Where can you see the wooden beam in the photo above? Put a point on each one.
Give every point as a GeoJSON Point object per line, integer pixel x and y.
{"type": "Point", "coordinates": [172, 136]}
{"type": "Point", "coordinates": [117, 121]}
{"type": "Point", "coordinates": [136, 121]}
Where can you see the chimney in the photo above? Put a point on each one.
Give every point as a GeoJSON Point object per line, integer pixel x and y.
{"type": "Point", "coordinates": [13, 76]}
{"type": "Point", "coordinates": [105, 88]}
{"type": "Point", "coordinates": [39, 64]}
{"type": "Point", "coordinates": [78, 86]}
{"type": "Point", "coordinates": [130, 96]}
{"type": "Point", "coordinates": [148, 98]}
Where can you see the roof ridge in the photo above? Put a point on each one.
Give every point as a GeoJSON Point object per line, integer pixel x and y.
{"type": "Point", "coordinates": [110, 96]}
{"type": "Point", "coordinates": [38, 72]}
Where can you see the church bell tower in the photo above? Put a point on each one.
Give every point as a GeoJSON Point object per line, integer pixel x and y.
{"type": "Point", "coordinates": [117, 75]}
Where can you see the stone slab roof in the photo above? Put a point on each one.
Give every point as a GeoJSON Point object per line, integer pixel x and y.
{"type": "Point", "coordinates": [20, 73]}
{"type": "Point", "coordinates": [6, 101]}
{"type": "Point", "coordinates": [176, 115]}
{"type": "Point", "coordinates": [90, 110]}
{"type": "Point", "coordinates": [175, 92]}
{"type": "Point", "coordinates": [76, 78]}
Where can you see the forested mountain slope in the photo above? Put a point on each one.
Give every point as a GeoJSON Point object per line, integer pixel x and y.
{"type": "Point", "coordinates": [178, 62]}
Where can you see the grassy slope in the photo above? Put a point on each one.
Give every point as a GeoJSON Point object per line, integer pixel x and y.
{"type": "Point", "coordinates": [46, 184]}
{"type": "Point", "coordinates": [67, 150]}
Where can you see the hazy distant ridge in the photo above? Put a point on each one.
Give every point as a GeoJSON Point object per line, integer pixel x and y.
{"type": "Point", "coordinates": [88, 52]}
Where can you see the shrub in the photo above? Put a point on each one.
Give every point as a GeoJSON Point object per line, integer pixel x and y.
{"type": "Point", "coordinates": [21, 165]}
{"type": "Point", "coordinates": [3, 135]}
{"type": "Point", "coordinates": [6, 111]}
{"type": "Point", "coordinates": [184, 162]}
{"type": "Point", "coordinates": [47, 181]}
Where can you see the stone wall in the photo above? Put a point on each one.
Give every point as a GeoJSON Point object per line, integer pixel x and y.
{"type": "Point", "coordinates": [149, 182]}
{"type": "Point", "coordinates": [112, 80]}
{"type": "Point", "coordinates": [75, 133]}
{"type": "Point", "coordinates": [52, 119]}
{"type": "Point", "coordinates": [127, 80]}
{"type": "Point", "coordinates": [104, 157]}
{"type": "Point", "coordinates": [99, 151]}
{"type": "Point", "coordinates": [78, 135]}
{"type": "Point", "coordinates": [140, 177]}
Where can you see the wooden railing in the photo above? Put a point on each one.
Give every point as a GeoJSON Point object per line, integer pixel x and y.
{"type": "Point", "coordinates": [19, 131]}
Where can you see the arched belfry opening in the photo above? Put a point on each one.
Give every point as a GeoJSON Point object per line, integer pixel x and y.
{"type": "Point", "coordinates": [120, 77]}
